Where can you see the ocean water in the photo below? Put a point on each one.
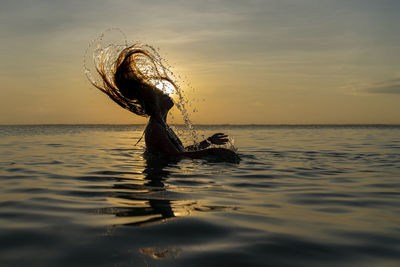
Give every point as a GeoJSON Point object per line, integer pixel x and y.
{"type": "Point", "coordinates": [84, 195]}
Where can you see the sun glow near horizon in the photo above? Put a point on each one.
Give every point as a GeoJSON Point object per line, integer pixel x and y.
{"type": "Point", "coordinates": [262, 62]}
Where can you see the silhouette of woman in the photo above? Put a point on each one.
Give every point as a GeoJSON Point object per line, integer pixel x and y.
{"type": "Point", "coordinates": [133, 83]}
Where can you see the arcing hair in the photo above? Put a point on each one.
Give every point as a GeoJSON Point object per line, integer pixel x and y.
{"type": "Point", "coordinates": [137, 68]}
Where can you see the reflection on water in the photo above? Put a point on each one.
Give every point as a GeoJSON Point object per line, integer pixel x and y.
{"type": "Point", "coordinates": [147, 203]}
{"type": "Point", "coordinates": [301, 196]}
{"type": "Point", "coordinates": [160, 253]}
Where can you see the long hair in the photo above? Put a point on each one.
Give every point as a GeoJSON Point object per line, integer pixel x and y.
{"type": "Point", "coordinates": [137, 68]}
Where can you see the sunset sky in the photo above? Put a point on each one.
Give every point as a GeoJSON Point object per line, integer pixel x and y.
{"type": "Point", "coordinates": [239, 62]}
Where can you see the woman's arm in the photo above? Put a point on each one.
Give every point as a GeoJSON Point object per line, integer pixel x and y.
{"type": "Point", "coordinates": [202, 145]}
{"type": "Point", "coordinates": [216, 139]}
{"type": "Point", "coordinates": [215, 152]}
{"type": "Point", "coordinates": [157, 141]}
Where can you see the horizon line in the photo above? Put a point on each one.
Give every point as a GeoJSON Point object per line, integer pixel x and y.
{"type": "Point", "coordinates": [211, 124]}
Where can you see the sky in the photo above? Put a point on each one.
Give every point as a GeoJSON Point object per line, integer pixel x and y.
{"type": "Point", "coordinates": [238, 62]}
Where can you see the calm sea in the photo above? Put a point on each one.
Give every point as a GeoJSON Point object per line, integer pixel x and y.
{"type": "Point", "coordinates": [84, 195]}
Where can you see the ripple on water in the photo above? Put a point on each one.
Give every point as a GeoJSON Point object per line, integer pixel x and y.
{"type": "Point", "coordinates": [307, 197]}
{"type": "Point", "coordinates": [54, 162]}
{"type": "Point", "coordinates": [21, 170]}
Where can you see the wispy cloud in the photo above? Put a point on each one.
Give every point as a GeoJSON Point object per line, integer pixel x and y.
{"type": "Point", "coordinates": [385, 87]}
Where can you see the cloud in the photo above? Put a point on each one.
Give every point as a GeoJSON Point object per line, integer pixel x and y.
{"type": "Point", "coordinates": [386, 87]}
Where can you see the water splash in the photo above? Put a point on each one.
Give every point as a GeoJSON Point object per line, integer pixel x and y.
{"type": "Point", "coordinates": [107, 47]}
{"type": "Point", "coordinates": [105, 51]}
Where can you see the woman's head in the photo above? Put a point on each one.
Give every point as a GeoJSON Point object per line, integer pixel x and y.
{"type": "Point", "coordinates": [132, 83]}
{"type": "Point", "coordinates": [135, 75]}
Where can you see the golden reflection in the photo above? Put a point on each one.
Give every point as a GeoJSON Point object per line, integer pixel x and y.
{"type": "Point", "coordinates": [145, 203]}
{"type": "Point", "coordinates": [150, 201]}
{"type": "Point", "coordinates": [161, 253]}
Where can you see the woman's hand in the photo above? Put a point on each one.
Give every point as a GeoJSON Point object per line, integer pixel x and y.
{"type": "Point", "coordinates": [218, 139]}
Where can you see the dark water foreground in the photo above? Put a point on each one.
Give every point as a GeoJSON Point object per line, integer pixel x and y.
{"type": "Point", "coordinates": [301, 196]}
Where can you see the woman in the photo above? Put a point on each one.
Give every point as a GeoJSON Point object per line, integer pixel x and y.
{"type": "Point", "coordinates": [133, 84]}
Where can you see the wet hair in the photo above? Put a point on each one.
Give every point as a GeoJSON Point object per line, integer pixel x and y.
{"type": "Point", "coordinates": [137, 69]}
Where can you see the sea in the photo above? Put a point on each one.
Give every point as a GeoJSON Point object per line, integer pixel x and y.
{"type": "Point", "coordinates": [301, 195]}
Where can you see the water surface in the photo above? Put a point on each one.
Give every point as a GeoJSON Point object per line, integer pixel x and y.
{"type": "Point", "coordinates": [84, 195]}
